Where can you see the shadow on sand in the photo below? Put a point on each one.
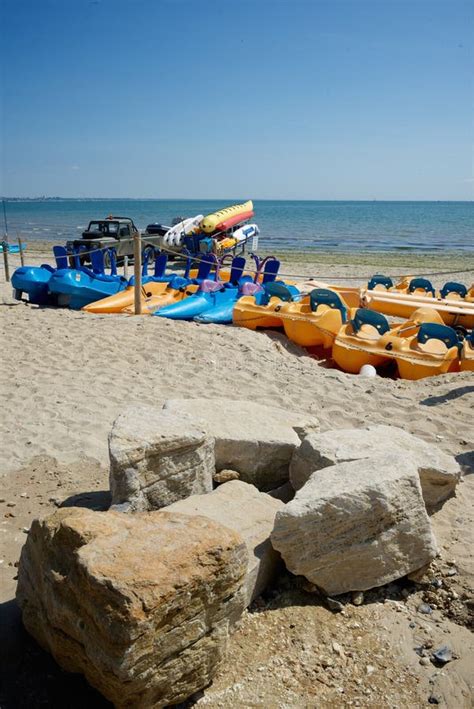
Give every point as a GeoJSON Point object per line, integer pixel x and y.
{"type": "Point", "coordinates": [450, 396]}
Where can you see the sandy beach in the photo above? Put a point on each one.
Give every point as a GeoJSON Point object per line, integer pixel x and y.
{"type": "Point", "coordinates": [65, 377]}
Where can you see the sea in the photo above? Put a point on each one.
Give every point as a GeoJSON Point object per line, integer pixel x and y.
{"type": "Point", "coordinates": [342, 226]}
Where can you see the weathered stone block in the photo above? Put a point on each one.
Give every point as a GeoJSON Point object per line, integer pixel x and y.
{"type": "Point", "coordinates": [255, 440]}
{"type": "Point", "coordinates": [439, 472]}
{"type": "Point", "coordinates": [156, 458]}
{"type": "Point", "coordinates": [356, 525]}
{"type": "Point", "coordinates": [142, 605]}
{"type": "Point", "coordinates": [251, 514]}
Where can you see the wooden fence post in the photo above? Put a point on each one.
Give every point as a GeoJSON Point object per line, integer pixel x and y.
{"type": "Point", "coordinates": [137, 269]}
{"type": "Point", "coordinates": [5, 260]}
{"type": "Point", "coordinates": [20, 246]}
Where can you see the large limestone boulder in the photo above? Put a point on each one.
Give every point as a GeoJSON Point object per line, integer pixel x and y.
{"type": "Point", "coordinates": [156, 458]}
{"type": "Point", "coordinates": [251, 514]}
{"type": "Point", "coordinates": [439, 472]}
{"type": "Point", "coordinates": [356, 525]}
{"type": "Point", "coordinates": [142, 605]}
{"type": "Point", "coordinates": [255, 440]}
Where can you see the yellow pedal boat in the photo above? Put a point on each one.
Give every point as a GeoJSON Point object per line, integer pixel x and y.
{"type": "Point", "coordinates": [422, 346]}
{"type": "Point", "coordinates": [262, 309]}
{"type": "Point", "coordinates": [467, 353]}
{"type": "Point", "coordinates": [316, 319]}
{"type": "Point", "coordinates": [454, 302]}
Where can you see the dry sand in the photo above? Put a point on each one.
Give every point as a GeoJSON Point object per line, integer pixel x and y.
{"type": "Point", "coordinates": [66, 375]}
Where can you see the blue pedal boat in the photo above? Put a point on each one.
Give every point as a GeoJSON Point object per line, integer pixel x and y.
{"type": "Point", "coordinates": [33, 281]}
{"type": "Point", "coordinates": [77, 287]}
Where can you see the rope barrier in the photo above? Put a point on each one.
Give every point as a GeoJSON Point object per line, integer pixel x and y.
{"type": "Point", "coordinates": [199, 259]}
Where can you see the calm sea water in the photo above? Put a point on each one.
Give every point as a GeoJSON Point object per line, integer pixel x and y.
{"type": "Point", "coordinates": [299, 225]}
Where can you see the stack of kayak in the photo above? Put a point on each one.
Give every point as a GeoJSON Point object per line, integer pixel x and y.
{"type": "Point", "coordinates": [219, 233]}
{"type": "Point", "coordinates": [422, 346]}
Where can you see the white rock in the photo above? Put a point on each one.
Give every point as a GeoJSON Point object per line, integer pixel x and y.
{"type": "Point", "coordinates": [242, 508]}
{"type": "Point", "coordinates": [255, 440]}
{"type": "Point", "coordinates": [156, 458]}
{"type": "Point", "coordinates": [439, 472]}
{"type": "Point", "coordinates": [356, 525]}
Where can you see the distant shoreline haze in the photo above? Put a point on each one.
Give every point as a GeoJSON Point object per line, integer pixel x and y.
{"type": "Point", "coordinates": [230, 200]}
{"type": "Point", "coordinates": [299, 225]}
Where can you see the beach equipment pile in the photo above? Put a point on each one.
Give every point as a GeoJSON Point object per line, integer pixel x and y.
{"type": "Point", "coordinates": [436, 336]}
{"type": "Point", "coordinates": [221, 232]}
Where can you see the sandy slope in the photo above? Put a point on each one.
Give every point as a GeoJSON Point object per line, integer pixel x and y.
{"type": "Point", "coordinates": [66, 375]}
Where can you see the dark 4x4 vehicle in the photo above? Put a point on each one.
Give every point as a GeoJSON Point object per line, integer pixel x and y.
{"type": "Point", "coordinates": [116, 232]}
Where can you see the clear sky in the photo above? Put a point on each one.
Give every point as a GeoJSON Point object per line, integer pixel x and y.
{"type": "Point", "coordinates": [323, 99]}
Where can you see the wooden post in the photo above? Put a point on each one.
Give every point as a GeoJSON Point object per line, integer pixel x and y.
{"type": "Point", "coordinates": [137, 269]}
{"type": "Point", "coordinates": [20, 246]}
{"type": "Point", "coordinates": [125, 267]}
{"type": "Point", "coordinates": [5, 260]}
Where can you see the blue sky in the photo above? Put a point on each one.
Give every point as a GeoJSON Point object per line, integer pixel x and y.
{"type": "Point", "coordinates": [330, 99]}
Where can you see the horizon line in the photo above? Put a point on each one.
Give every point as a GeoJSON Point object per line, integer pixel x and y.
{"type": "Point", "coordinates": [229, 199]}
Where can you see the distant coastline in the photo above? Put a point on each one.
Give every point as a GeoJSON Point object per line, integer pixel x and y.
{"type": "Point", "coordinates": [230, 200]}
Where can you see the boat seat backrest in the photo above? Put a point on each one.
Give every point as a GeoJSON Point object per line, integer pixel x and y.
{"type": "Point", "coordinates": [453, 287]}
{"type": "Point", "coordinates": [237, 269]}
{"type": "Point", "coordinates": [270, 270]}
{"type": "Point", "coordinates": [147, 255]}
{"type": "Point", "coordinates": [161, 261]}
{"type": "Point", "coordinates": [379, 280]}
{"type": "Point", "coordinates": [421, 284]}
{"type": "Point", "coordinates": [370, 317]}
{"type": "Point", "coordinates": [205, 264]}
{"type": "Point", "coordinates": [324, 296]}
{"type": "Point", "coordinates": [470, 337]}
{"type": "Point", "coordinates": [97, 261]}
{"type": "Point", "coordinates": [434, 331]}
{"type": "Point", "coordinates": [278, 290]}
{"type": "Point", "coordinates": [60, 255]}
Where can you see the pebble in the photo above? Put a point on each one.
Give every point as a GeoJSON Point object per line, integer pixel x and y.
{"type": "Point", "coordinates": [334, 605]}
{"type": "Point", "coordinates": [442, 655]}
{"type": "Point", "coordinates": [357, 598]}
{"type": "Point", "coordinates": [425, 661]}
{"type": "Point", "coordinates": [326, 662]}
{"type": "Point", "coordinates": [337, 649]}
{"type": "Point", "coordinates": [425, 608]}
{"type": "Point", "coordinates": [451, 572]}
{"type": "Point", "coordinates": [412, 625]}
{"type": "Point", "coordinates": [370, 669]}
